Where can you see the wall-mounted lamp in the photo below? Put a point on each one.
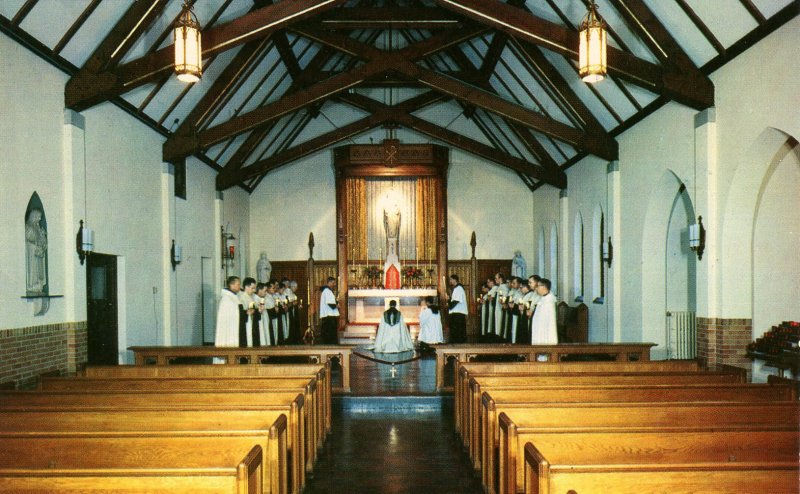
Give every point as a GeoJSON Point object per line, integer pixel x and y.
{"type": "Point", "coordinates": [697, 238]}
{"type": "Point", "coordinates": [608, 252]}
{"type": "Point", "coordinates": [84, 242]}
{"type": "Point", "coordinates": [175, 254]}
{"type": "Point", "coordinates": [228, 246]}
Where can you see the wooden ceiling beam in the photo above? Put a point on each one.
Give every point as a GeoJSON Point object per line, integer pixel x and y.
{"type": "Point", "coordinates": [683, 87]}
{"type": "Point", "coordinates": [100, 86]}
{"type": "Point", "coordinates": [390, 17]}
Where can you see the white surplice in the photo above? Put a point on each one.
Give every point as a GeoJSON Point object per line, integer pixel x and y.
{"type": "Point", "coordinates": [430, 327]}
{"type": "Point", "coordinates": [393, 335]}
{"type": "Point", "coordinates": [543, 327]}
{"type": "Point", "coordinates": [227, 320]}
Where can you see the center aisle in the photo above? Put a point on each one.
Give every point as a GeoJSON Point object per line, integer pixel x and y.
{"type": "Point", "coordinates": [393, 444]}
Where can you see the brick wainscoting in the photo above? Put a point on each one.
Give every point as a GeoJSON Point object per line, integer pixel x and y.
{"type": "Point", "coordinates": [724, 341]}
{"type": "Point", "coordinates": [26, 353]}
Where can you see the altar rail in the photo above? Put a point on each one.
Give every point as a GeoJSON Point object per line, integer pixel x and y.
{"type": "Point", "coordinates": [467, 352]}
{"type": "Point", "coordinates": [316, 354]}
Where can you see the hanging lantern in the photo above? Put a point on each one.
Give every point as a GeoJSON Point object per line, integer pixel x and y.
{"type": "Point", "coordinates": [592, 66]}
{"type": "Point", "coordinates": [188, 52]}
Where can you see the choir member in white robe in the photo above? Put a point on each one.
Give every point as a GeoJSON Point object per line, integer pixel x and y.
{"type": "Point", "coordinates": [329, 313]}
{"type": "Point", "coordinates": [513, 313]}
{"type": "Point", "coordinates": [491, 300]}
{"type": "Point", "coordinates": [393, 335]}
{"type": "Point", "coordinates": [227, 334]}
{"type": "Point", "coordinates": [523, 335]}
{"type": "Point", "coordinates": [270, 315]}
{"type": "Point", "coordinates": [430, 322]}
{"type": "Point", "coordinates": [249, 304]}
{"type": "Point", "coordinates": [483, 308]}
{"type": "Point", "coordinates": [543, 326]}
{"type": "Point", "coordinates": [263, 317]}
{"type": "Point", "coordinates": [279, 311]}
{"type": "Point", "coordinates": [500, 299]}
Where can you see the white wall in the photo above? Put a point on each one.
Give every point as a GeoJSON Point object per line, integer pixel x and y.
{"type": "Point", "coordinates": [128, 202]}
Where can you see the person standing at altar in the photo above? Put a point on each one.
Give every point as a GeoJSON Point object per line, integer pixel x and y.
{"type": "Point", "coordinates": [249, 305]}
{"type": "Point", "coordinates": [393, 335]}
{"type": "Point", "coordinates": [457, 311]}
{"type": "Point", "coordinates": [329, 313]}
{"type": "Point", "coordinates": [228, 314]}
{"type": "Point", "coordinates": [499, 304]}
{"type": "Point", "coordinates": [430, 322]}
{"type": "Point", "coordinates": [543, 326]}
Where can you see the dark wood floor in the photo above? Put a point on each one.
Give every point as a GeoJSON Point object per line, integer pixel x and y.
{"type": "Point", "coordinates": [393, 434]}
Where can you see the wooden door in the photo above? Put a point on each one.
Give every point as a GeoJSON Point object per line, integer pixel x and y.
{"type": "Point", "coordinates": [101, 310]}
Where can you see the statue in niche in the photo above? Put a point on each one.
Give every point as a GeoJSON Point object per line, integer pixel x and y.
{"type": "Point", "coordinates": [391, 223]}
{"type": "Point", "coordinates": [263, 268]}
{"type": "Point", "coordinates": [36, 249]}
{"type": "Point", "coordinates": [518, 265]}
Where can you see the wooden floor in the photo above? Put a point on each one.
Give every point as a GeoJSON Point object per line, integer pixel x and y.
{"type": "Point", "coordinates": [393, 435]}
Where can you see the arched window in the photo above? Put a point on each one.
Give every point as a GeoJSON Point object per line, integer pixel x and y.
{"type": "Point", "coordinates": [577, 256]}
{"type": "Point", "coordinates": [540, 253]}
{"type": "Point", "coordinates": [598, 273]}
{"type": "Point", "coordinates": [553, 275]}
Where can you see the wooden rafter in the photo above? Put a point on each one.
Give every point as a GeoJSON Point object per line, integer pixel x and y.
{"type": "Point", "coordinates": [686, 88]}
{"type": "Point", "coordinates": [97, 86]}
{"type": "Point", "coordinates": [701, 26]}
{"type": "Point", "coordinates": [390, 17]}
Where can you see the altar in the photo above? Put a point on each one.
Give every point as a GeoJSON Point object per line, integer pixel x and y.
{"type": "Point", "coordinates": [366, 306]}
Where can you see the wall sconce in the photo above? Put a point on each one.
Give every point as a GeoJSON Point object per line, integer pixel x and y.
{"type": "Point", "coordinates": [592, 66]}
{"type": "Point", "coordinates": [188, 50]}
{"type": "Point", "coordinates": [175, 254]}
{"type": "Point", "coordinates": [84, 242]}
{"type": "Point", "coordinates": [228, 246]}
{"type": "Point", "coordinates": [608, 252]}
{"type": "Point", "coordinates": [697, 238]}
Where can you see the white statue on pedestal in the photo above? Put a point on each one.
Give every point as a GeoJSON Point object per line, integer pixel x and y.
{"type": "Point", "coordinates": [391, 224]}
{"type": "Point", "coordinates": [263, 268]}
{"type": "Point", "coordinates": [518, 265]}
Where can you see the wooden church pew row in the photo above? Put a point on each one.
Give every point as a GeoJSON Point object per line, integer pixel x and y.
{"type": "Point", "coordinates": [484, 432]}
{"type": "Point", "coordinates": [113, 463]}
{"type": "Point", "coordinates": [255, 356]}
{"type": "Point", "coordinates": [464, 352]}
{"type": "Point", "coordinates": [313, 409]}
{"type": "Point", "coordinates": [291, 403]}
{"type": "Point", "coordinates": [521, 425]}
{"type": "Point", "coordinates": [321, 372]}
{"type": "Point", "coordinates": [635, 462]}
{"type": "Point", "coordinates": [273, 425]}
{"type": "Point", "coordinates": [464, 371]}
{"type": "Point", "coordinates": [472, 400]}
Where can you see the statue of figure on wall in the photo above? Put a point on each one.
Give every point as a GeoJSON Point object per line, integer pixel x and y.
{"type": "Point", "coordinates": [35, 253]}
{"type": "Point", "coordinates": [391, 223]}
{"type": "Point", "coordinates": [518, 265]}
{"type": "Point", "coordinates": [263, 268]}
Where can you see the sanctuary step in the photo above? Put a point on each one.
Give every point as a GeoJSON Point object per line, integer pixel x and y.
{"type": "Point", "coordinates": [364, 333]}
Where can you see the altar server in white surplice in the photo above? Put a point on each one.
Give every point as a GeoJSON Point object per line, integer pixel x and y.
{"type": "Point", "coordinates": [430, 322]}
{"type": "Point", "coordinates": [543, 327]}
{"type": "Point", "coordinates": [393, 335]}
{"type": "Point", "coordinates": [228, 314]}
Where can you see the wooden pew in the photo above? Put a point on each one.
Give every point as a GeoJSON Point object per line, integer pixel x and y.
{"type": "Point", "coordinates": [116, 463]}
{"type": "Point", "coordinates": [321, 372]}
{"type": "Point", "coordinates": [313, 409]}
{"type": "Point", "coordinates": [465, 352]}
{"type": "Point", "coordinates": [290, 403]}
{"type": "Point", "coordinates": [270, 427]}
{"type": "Point", "coordinates": [253, 356]}
{"type": "Point", "coordinates": [485, 431]}
{"type": "Point", "coordinates": [465, 371]}
{"type": "Point", "coordinates": [521, 425]}
{"type": "Point", "coordinates": [633, 462]}
{"type": "Point", "coordinates": [471, 412]}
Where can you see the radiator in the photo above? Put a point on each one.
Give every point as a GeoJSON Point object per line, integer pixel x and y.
{"type": "Point", "coordinates": [682, 334]}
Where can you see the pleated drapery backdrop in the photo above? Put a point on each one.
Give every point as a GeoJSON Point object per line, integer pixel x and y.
{"type": "Point", "coordinates": [426, 217]}
{"type": "Point", "coordinates": [356, 190]}
{"type": "Point", "coordinates": [382, 193]}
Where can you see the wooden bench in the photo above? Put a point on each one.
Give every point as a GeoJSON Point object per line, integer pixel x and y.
{"type": "Point", "coordinates": [313, 409]}
{"type": "Point", "coordinates": [289, 403]}
{"type": "Point", "coordinates": [321, 373]}
{"type": "Point", "coordinates": [233, 356]}
{"type": "Point", "coordinates": [471, 413]}
{"type": "Point", "coordinates": [466, 352]}
{"type": "Point", "coordinates": [465, 371]}
{"type": "Point", "coordinates": [118, 463]}
{"type": "Point", "coordinates": [521, 425]}
{"type": "Point", "coordinates": [634, 462]}
{"type": "Point", "coordinates": [270, 427]}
